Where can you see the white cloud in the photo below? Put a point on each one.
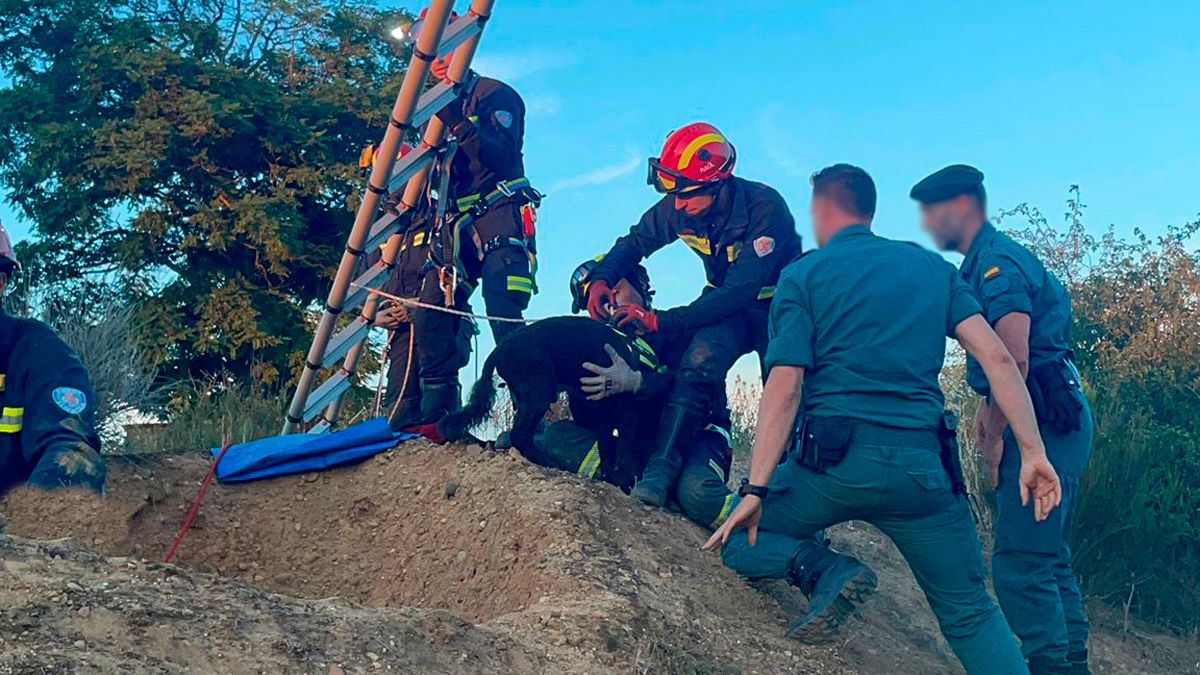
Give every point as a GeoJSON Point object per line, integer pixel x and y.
{"type": "Point", "coordinates": [543, 105]}
{"type": "Point", "coordinates": [597, 176]}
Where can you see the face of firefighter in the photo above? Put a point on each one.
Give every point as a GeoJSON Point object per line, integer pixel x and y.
{"type": "Point", "coordinates": [440, 66]}
{"type": "Point", "coordinates": [695, 204]}
{"type": "Point", "coordinates": [626, 294]}
{"type": "Point", "coordinates": [3, 283]}
{"type": "Point", "coordinates": [946, 222]}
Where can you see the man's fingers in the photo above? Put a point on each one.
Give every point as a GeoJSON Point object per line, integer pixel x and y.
{"type": "Point", "coordinates": [711, 544]}
{"type": "Point", "coordinates": [1024, 493]}
{"type": "Point", "coordinates": [591, 367]}
{"type": "Point", "coordinates": [612, 353]}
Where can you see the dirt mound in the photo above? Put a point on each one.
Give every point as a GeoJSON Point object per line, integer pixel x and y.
{"type": "Point", "coordinates": [568, 568]}
{"type": "Point", "coordinates": [556, 573]}
{"type": "Point", "coordinates": [64, 609]}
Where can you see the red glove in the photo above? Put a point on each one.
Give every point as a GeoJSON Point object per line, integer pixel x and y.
{"type": "Point", "coordinates": [599, 297]}
{"type": "Point", "coordinates": [638, 318]}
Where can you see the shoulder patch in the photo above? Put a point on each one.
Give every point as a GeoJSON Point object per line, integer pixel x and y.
{"type": "Point", "coordinates": [504, 118]}
{"type": "Point", "coordinates": [70, 400]}
{"type": "Point", "coordinates": [764, 246]}
{"type": "Point", "coordinates": [991, 272]}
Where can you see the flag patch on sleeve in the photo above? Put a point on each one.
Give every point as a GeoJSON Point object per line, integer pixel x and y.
{"type": "Point", "coordinates": [991, 272]}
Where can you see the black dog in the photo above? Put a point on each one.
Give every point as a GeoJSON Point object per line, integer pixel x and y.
{"type": "Point", "coordinates": [537, 362]}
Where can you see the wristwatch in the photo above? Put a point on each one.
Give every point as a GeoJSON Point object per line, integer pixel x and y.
{"type": "Point", "coordinates": [746, 488]}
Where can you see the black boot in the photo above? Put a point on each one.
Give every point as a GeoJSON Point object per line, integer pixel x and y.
{"type": "Point", "coordinates": [1077, 663]}
{"type": "Point", "coordinates": [836, 585]}
{"type": "Point", "coordinates": [438, 398]}
{"type": "Point", "coordinates": [679, 425]}
{"type": "Point", "coordinates": [1042, 665]}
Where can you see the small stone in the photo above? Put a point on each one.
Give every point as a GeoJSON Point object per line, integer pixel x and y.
{"type": "Point", "coordinates": [482, 524]}
{"type": "Point", "coordinates": [336, 670]}
{"type": "Point", "coordinates": [373, 656]}
{"type": "Point", "coordinates": [451, 488]}
{"type": "Point", "coordinates": [460, 557]}
{"type": "Point", "coordinates": [296, 527]}
{"type": "Point", "coordinates": [79, 644]}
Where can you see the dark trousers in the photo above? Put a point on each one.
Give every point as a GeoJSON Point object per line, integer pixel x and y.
{"type": "Point", "coordinates": [712, 351]}
{"type": "Point", "coordinates": [443, 340]}
{"type": "Point", "coordinates": [404, 368]}
{"type": "Point", "coordinates": [1031, 561]}
{"type": "Point", "coordinates": [505, 271]}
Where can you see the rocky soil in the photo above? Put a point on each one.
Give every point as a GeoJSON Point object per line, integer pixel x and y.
{"type": "Point", "coordinates": [427, 560]}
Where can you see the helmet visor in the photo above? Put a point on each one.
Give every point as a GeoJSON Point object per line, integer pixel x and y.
{"type": "Point", "coordinates": [668, 181]}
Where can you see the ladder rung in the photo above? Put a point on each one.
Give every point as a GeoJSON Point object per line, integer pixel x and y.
{"type": "Point", "coordinates": [319, 428]}
{"type": "Point", "coordinates": [381, 229]}
{"type": "Point", "coordinates": [325, 394]}
{"type": "Point", "coordinates": [355, 332]}
{"type": "Point", "coordinates": [458, 32]}
{"type": "Point", "coordinates": [432, 101]}
{"type": "Point", "coordinates": [407, 166]}
{"type": "Point", "coordinates": [372, 278]}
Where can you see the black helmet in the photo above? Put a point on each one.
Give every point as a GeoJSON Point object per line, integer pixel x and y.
{"type": "Point", "coordinates": [580, 278]}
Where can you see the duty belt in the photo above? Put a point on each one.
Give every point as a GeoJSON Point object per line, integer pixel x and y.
{"type": "Point", "coordinates": [473, 207]}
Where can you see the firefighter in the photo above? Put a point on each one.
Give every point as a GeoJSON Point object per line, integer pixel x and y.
{"type": "Point", "coordinates": [486, 237]}
{"type": "Point", "coordinates": [47, 407]}
{"type": "Point", "coordinates": [744, 234]}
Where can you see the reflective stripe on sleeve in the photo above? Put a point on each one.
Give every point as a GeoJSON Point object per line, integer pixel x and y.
{"type": "Point", "coordinates": [766, 293]}
{"type": "Point", "coordinates": [521, 284]}
{"type": "Point", "coordinates": [10, 420]}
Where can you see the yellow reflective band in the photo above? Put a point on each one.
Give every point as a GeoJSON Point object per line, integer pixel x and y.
{"type": "Point", "coordinates": [694, 147]}
{"type": "Point", "coordinates": [591, 462]}
{"type": "Point", "coordinates": [698, 244]}
{"type": "Point", "coordinates": [766, 293]}
{"type": "Point", "coordinates": [733, 251]}
{"type": "Point", "coordinates": [725, 508]}
{"type": "Point", "coordinates": [419, 239]}
{"type": "Point", "coordinates": [521, 284]}
{"type": "Point", "coordinates": [712, 464]}
{"type": "Point", "coordinates": [10, 420]}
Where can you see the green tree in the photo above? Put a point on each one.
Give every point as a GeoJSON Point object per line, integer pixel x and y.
{"type": "Point", "coordinates": [1136, 337]}
{"type": "Point", "coordinates": [196, 157]}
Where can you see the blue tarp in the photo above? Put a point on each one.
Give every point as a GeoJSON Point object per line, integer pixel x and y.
{"type": "Point", "coordinates": [298, 453]}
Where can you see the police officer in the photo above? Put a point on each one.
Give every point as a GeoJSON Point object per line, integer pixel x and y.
{"type": "Point", "coordinates": [858, 332]}
{"type": "Point", "coordinates": [745, 234]}
{"type": "Point", "coordinates": [47, 407]}
{"type": "Point", "coordinates": [488, 235]}
{"type": "Point", "coordinates": [1031, 312]}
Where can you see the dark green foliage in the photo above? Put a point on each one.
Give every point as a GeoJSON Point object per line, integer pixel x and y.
{"type": "Point", "coordinates": [197, 157]}
{"type": "Point", "coordinates": [1137, 342]}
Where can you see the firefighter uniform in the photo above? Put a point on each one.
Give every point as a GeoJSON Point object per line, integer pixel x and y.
{"type": "Point", "coordinates": [486, 237]}
{"type": "Point", "coordinates": [47, 411]}
{"type": "Point", "coordinates": [1031, 561]}
{"type": "Point", "coordinates": [867, 318]}
{"type": "Point", "coordinates": [745, 240]}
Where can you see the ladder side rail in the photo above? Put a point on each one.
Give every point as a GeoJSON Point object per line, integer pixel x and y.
{"type": "Point", "coordinates": [400, 121]}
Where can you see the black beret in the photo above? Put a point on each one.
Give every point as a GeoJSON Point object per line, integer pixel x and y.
{"type": "Point", "coordinates": [948, 183]}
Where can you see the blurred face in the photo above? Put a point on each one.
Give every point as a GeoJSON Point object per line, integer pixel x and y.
{"type": "Point", "coordinates": [625, 294]}
{"type": "Point", "coordinates": [440, 66]}
{"type": "Point", "coordinates": [3, 283]}
{"type": "Point", "coordinates": [825, 219]}
{"type": "Point", "coordinates": [947, 221]}
{"type": "Point", "coordinates": [695, 204]}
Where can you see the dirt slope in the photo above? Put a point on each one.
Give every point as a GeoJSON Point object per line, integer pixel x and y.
{"type": "Point", "coordinates": [550, 572]}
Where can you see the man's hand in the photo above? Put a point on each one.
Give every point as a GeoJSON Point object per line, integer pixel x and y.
{"type": "Point", "coordinates": [747, 514]}
{"type": "Point", "coordinates": [617, 378]}
{"type": "Point", "coordinates": [392, 316]}
{"type": "Point", "coordinates": [1039, 482]}
{"type": "Point", "coordinates": [599, 298]}
{"type": "Point", "coordinates": [639, 318]}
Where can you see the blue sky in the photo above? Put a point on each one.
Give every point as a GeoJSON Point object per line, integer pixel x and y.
{"type": "Point", "coordinates": [1038, 95]}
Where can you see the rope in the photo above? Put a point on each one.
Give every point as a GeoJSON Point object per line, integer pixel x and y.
{"type": "Point", "coordinates": [412, 332]}
{"type": "Point", "coordinates": [191, 514]}
{"type": "Point", "coordinates": [438, 308]}
{"type": "Point", "coordinates": [383, 359]}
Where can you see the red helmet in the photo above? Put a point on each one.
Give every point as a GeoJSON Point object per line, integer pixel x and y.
{"type": "Point", "coordinates": [415, 31]}
{"type": "Point", "coordinates": [8, 257]}
{"type": "Point", "coordinates": [693, 157]}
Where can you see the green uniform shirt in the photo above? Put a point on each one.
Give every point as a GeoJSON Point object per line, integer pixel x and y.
{"type": "Point", "coordinates": [1006, 277]}
{"type": "Point", "coordinates": [867, 318]}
